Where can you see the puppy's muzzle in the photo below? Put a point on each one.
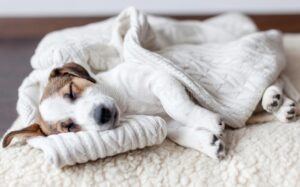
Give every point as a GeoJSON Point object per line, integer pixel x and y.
{"type": "Point", "coordinates": [103, 115]}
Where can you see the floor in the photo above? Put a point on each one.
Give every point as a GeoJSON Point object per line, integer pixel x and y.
{"type": "Point", "coordinates": [15, 65]}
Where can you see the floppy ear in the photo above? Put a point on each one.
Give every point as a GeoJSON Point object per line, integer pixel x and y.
{"type": "Point", "coordinates": [72, 69]}
{"type": "Point", "coordinates": [31, 131]}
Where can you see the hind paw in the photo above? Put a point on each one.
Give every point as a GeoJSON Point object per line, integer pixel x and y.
{"type": "Point", "coordinates": [287, 112]}
{"type": "Point", "coordinates": [272, 99]}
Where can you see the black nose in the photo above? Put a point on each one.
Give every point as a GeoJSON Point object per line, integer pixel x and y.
{"type": "Point", "coordinates": [102, 115]}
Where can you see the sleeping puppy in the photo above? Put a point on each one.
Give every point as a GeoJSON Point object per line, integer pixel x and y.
{"type": "Point", "coordinates": [74, 101]}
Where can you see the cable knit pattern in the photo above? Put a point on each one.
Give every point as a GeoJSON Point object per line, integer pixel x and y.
{"type": "Point", "coordinates": [234, 74]}
{"type": "Point", "coordinates": [226, 45]}
{"type": "Point", "coordinates": [136, 132]}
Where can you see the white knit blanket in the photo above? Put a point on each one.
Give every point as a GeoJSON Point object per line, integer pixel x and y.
{"type": "Point", "coordinates": [226, 70]}
{"type": "Point", "coordinates": [136, 132]}
{"type": "Point", "coordinates": [223, 62]}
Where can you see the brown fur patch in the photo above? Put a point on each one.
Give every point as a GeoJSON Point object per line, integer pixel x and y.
{"type": "Point", "coordinates": [32, 130]}
{"type": "Point", "coordinates": [61, 79]}
{"type": "Point", "coordinates": [72, 69]}
{"type": "Point", "coordinates": [55, 85]}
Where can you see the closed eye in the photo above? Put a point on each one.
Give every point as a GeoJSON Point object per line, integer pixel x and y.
{"type": "Point", "coordinates": [71, 95]}
{"type": "Point", "coordinates": [70, 126]}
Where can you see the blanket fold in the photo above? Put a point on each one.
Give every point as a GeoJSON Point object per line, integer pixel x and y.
{"type": "Point", "coordinates": [228, 78]}
{"type": "Point", "coordinates": [136, 132]}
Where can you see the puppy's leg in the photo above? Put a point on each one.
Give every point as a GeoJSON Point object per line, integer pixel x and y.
{"type": "Point", "coordinates": [201, 140]}
{"type": "Point", "coordinates": [289, 89]}
{"type": "Point", "coordinates": [262, 117]}
{"type": "Point", "coordinates": [288, 111]}
{"type": "Point", "coordinates": [273, 97]}
{"type": "Point", "coordinates": [177, 103]}
{"type": "Point", "coordinates": [276, 102]}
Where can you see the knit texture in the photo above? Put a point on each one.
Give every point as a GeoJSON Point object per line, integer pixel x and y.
{"type": "Point", "coordinates": [226, 69]}
{"type": "Point", "coordinates": [135, 132]}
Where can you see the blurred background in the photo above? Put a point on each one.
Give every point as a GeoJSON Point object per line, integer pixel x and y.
{"type": "Point", "coordinates": [24, 22]}
{"type": "Point", "coordinates": [109, 7]}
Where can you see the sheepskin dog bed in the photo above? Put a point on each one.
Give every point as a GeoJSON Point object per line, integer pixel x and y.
{"type": "Point", "coordinates": [259, 155]}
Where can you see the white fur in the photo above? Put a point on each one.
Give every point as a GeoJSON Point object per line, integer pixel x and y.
{"type": "Point", "coordinates": [165, 97]}
{"type": "Point", "coordinates": [286, 109]}
{"type": "Point", "coordinates": [201, 140]}
{"type": "Point", "coordinates": [56, 108]}
{"type": "Point", "coordinates": [270, 94]}
{"type": "Point", "coordinates": [283, 114]}
{"type": "Point", "coordinates": [84, 106]}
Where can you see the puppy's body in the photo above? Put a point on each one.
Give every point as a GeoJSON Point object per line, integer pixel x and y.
{"type": "Point", "coordinates": [138, 89]}
{"type": "Point", "coordinates": [154, 92]}
{"type": "Point", "coordinates": [148, 91]}
{"type": "Point", "coordinates": [134, 92]}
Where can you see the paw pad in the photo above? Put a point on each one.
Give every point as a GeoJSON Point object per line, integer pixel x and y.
{"type": "Point", "coordinates": [272, 100]}
{"type": "Point", "coordinates": [277, 96]}
{"type": "Point", "coordinates": [292, 111]}
{"type": "Point", "coordinates": [215, 138]}
{"type": "Point", "coordinates": [221, 148]}
{"type": "Point", "coordinates": [287, 112]}
{"type": "Point", "coordinates": [275, 103]}
{"type": "Point", "coordinates": [216, 148]}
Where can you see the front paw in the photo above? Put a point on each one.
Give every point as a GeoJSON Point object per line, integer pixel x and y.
{"type": "Point", "coordinates": [211, 122]}
{"type": "Point", "coordinates": [216, 148]}
{"type": "Point", "coordinates": [216, 126]}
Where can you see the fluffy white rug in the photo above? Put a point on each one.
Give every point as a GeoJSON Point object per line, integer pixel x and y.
{"type": "Point", "coordinates": [259, 155]}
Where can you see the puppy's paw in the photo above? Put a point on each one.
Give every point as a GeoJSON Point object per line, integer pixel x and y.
{"type": "Point", "coordinates": [216, 125]}
{"type": "Point", "coordinates": [216, 148]}
{"type": "Point", "coordinates": [211, 122]}
{"type": "Point", "coordinates": [287, 112]}
{"type": "Point", "coordinates": [272, 99]}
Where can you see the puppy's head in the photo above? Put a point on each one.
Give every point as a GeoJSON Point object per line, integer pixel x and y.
{"type": "Point", "coordinates": [72, 101]}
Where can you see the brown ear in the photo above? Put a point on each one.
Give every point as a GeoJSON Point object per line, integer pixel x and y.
{"type": "Point", "coordinates": [32, 130]}
{"type": "Point", "coordinates": [71, 69]}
